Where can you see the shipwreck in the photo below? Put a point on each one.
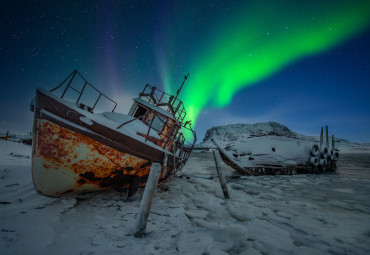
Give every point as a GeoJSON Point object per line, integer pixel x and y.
{"type": "Point", "coordinates": [78, 148]}
{"type": "Point", "coordinates": [272, 149]}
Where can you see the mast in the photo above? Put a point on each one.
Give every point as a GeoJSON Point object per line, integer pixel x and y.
{"type": "Point", "coordinates": [178, 91]}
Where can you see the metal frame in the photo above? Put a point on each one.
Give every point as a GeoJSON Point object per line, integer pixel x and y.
{"type": "Point", "coordinates": [69, 86]}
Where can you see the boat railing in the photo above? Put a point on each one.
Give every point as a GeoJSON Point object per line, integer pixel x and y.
{"type": "Point", "coordinates": [71, 80]}
{"type": "Point", "coordinates": [183, 147]}
{"type": "Point", "coordinates": [165, 101]}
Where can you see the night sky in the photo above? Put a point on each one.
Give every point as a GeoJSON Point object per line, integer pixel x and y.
{"type": "Point", "coordinates": [303, 64]}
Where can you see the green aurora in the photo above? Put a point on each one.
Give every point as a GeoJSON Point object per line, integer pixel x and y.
{"type": "Point", "coordinates": [257, 40]}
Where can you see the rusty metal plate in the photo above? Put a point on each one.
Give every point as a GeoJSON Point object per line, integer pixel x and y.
{"type": "Point", "coordinates": [67, 162]}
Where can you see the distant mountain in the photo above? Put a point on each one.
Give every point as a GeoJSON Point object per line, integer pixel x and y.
{"type": "Point", "coordinates": [236, 132]}
{"type": "Point", "coordinates": [240, 132]}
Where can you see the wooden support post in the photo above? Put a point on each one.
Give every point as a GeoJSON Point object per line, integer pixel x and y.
{"type": "Point", "coordinates": [327, 136]}
{"type": "Point", "coordinates": [134, 187]}
{"type": "Point", "coordinates": [165, 164]}
{"type": "Point", "coordinates": [146, 201]}
{"type": "Point", "coordinates": [321, 137]}
{"type": "Point", "coordinates": [221, 176]}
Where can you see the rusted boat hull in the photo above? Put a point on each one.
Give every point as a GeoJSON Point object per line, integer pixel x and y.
{"type": "Point", "coordinates": [70, 156]}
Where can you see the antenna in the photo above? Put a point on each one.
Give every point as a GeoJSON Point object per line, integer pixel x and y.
{"type": "Point", "coordinates": [178, 91]}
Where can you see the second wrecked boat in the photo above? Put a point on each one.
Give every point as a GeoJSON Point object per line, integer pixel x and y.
{"type": "Point", "coordinates": [76, 149]}
{"type": "Point", "coordinates": [271, 149]}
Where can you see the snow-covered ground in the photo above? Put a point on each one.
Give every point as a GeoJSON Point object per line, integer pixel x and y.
{"type": "Point", "coordinates": [299, 214]}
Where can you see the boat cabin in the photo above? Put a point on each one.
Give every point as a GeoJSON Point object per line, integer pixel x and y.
{"type": "Point", "coordinates": [162, 113]}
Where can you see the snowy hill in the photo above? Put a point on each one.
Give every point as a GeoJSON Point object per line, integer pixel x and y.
{"type": "Point", "coordinates": [240, 132]}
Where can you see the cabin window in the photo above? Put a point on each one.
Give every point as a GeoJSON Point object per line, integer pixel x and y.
{"type": "Point", "coordinates": [158, 123]}
{"type": "Point", "coordinates": [140, 111]}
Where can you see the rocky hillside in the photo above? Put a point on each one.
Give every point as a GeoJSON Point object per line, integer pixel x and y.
{"type": "Point", "coordinates": [241, 132]}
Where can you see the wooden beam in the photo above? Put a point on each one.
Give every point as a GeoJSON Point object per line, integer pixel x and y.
{"type": "Point", "coordinates": [221, 176]}
{"type": "Point", "coordinates": [232, 162]}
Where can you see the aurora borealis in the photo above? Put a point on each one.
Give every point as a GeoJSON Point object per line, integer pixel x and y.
{"type": "Point", "coordinates": [300, 63]}
{"type": "Point", "coordinates": [261, 39]}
